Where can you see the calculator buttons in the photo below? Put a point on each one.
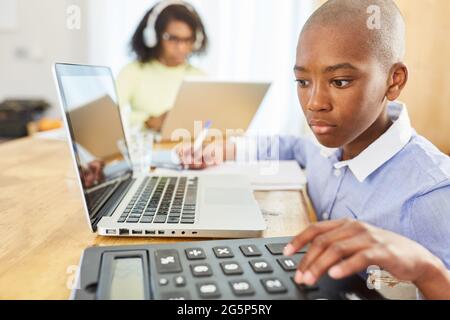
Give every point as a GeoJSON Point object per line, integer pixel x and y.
{"type": "Point", "coordinates": [242, 288]}
{"type": "Point", "coordinates": [163, 282]}
{"type": "Point", "coordinates": [250, 250]}
{"type": "Point", "coordinates": [167, 261]}
{"type": "Point", "coordinates": [273, 285]}
{"type": "Point", "coordinates": [287, 264]}
{"type": "Point", "coordinates": [208, 290]}
{"type": "Point", "coordinates": [176, 295]}
{"type": "Point", "coordinates": [223, 252]}
{"type": "Point", "coordinates": [260, 266]}
{"type": "Point", "coordinates": [231, 268]}
{"type": "Point", "coordinates": [304, 287]}
{"type": "Point", "coordinates": [179, 281]}
{"type": "Point", "coordinates": [277, 248]}
{"type": "Point", "coordinates": [195, 254]}
{"type": "Point", "coordinates": [201, 270]}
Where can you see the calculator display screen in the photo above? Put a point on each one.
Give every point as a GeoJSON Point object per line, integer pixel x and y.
{"type": "Point", "coordinates": [127, 282]}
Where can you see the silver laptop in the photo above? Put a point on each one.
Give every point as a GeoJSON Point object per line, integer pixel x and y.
{"type": "Point", "coordinates": [118, 202]}
{"type": "Point", "coordinates": [228, 105]}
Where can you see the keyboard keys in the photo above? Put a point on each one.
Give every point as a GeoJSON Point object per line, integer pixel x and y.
{"type": "Point", "coordinates": [242, 288]}
{"type": "Point", "coordinates": [146, 219]}
{"type": "Point", "coordinates": [223, 252]}
{"type": "Point", "coordinates": [167, 261]}
{"type": "Point", "coordinates": [163, 200]}
{"type": "Point", "coordinates": [174, 214]}
{"type": "Point", "coordinates": [160, 219]}
{"type": "Point", "coordinates": [208, 290]}
{"type": "Point", "coordinates": [260, 266]}
{"type": "Point", "coordinates": [231, 268]}
{"type": "Point", "coordinates": [201, 270]}
{"type": "Point", "coordinates": [148, 214]}
{"type": "Point", "coordinates": [287, 264]}
{"type": "Point", "coordinates": [195, 254]}
{"type": "Point", "coordinates": [273, 285]}
{"type": "Point", "coordinates": [173, 220]}
{"type": "Point", "coordinates": [250, 250]}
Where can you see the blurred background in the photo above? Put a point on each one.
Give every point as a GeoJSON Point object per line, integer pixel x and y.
{"type": "Point", "coordinates": [249, 40]}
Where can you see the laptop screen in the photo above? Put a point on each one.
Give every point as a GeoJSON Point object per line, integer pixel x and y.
{"type": "Point", "coordinates": [89, 99]}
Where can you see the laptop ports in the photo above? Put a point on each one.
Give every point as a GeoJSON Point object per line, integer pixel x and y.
{"type": "Point", "coordinates": [161, 232]}
{"type": "Point", "coordinates": [150, 232]}
{"type": "Point", "coordinates": [136, 232]}
{"type": "Point", "coordinates": [124, 231]}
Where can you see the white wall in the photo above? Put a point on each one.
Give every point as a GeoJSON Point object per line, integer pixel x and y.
{"type": "Point", "coordinates": [40, 38]}
{"type": "Point", "coordinates": [249, 40]}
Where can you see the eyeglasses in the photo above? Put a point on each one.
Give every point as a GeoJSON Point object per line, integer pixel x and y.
{"type": "Point", "coordinates": [176, 40]}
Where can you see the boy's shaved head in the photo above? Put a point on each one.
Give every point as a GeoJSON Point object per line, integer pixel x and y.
{"type": "Point", "coordinates": [379, 24]}
{"type": "Point", "coordinates": [348, 66]}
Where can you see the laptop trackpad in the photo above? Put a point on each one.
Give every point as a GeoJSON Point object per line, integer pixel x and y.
{"type": "Point", "coordinates": [228, 196]}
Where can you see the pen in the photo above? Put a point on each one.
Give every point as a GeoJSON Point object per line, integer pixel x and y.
{"type": "Point", "coordinates": [198, 143]}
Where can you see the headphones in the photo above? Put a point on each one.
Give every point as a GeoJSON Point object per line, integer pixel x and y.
{"type": "Point", "coordinates": [149, 34]}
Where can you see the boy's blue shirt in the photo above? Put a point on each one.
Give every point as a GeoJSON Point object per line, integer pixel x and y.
{"type": "Point", "coordinates": [400, 183]}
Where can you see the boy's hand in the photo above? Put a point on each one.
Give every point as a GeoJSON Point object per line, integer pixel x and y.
{"type": "Point", "coordinates": [345, 247]}
{"type": "Point", "coordinates": [210, 155]}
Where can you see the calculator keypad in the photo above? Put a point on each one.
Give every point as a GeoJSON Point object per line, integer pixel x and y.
{"type": "Point", "coordinates": [234, 269]}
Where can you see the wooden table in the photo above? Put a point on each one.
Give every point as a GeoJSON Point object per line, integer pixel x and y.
{"type": "Point", "coordinates": [43, 230]}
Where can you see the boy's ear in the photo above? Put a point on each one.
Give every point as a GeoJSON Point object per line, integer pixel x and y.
{"type": "Point", "coordinates": [398, 77]}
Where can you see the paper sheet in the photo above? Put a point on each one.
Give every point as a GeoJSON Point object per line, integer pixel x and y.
{"type": "Point", "coordinates": [264, 175]}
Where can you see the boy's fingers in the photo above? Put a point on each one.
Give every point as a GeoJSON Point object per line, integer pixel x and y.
{"type": "Point", "coordinates": [184, 153]}
{"type": "Point", "coordinates": [353, 264]}
{"type": "Point", "coordinates": [212, 157]}
{"type": "Point", "coordinates": [335, 253]}
{"type": "Point", "coordinates": [310, 233]}
{"type": "Point", "coordinates": [322, 242]}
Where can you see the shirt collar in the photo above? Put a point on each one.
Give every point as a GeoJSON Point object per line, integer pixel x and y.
{"type": "Point", "coordinates": [385, 147]}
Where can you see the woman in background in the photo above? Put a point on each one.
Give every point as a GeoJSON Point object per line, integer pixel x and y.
{"type": "Point", "coordinates": [167, 36]}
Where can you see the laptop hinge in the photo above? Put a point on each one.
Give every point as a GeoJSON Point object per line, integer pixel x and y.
{"type": "Point", "coordinates": [113, 201]}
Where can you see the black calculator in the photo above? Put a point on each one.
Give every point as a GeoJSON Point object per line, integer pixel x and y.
{"type": "Point", "coordinates": [219, 269]}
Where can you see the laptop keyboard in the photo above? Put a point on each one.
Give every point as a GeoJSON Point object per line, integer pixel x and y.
{"type": "Point", "coordinates": [163, 200]}
{"type": "Point", "coordinates": [218, 269]}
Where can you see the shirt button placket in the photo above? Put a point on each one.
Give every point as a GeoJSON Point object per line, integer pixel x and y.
{"type": "Point", "coordinates": [337, 172]}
